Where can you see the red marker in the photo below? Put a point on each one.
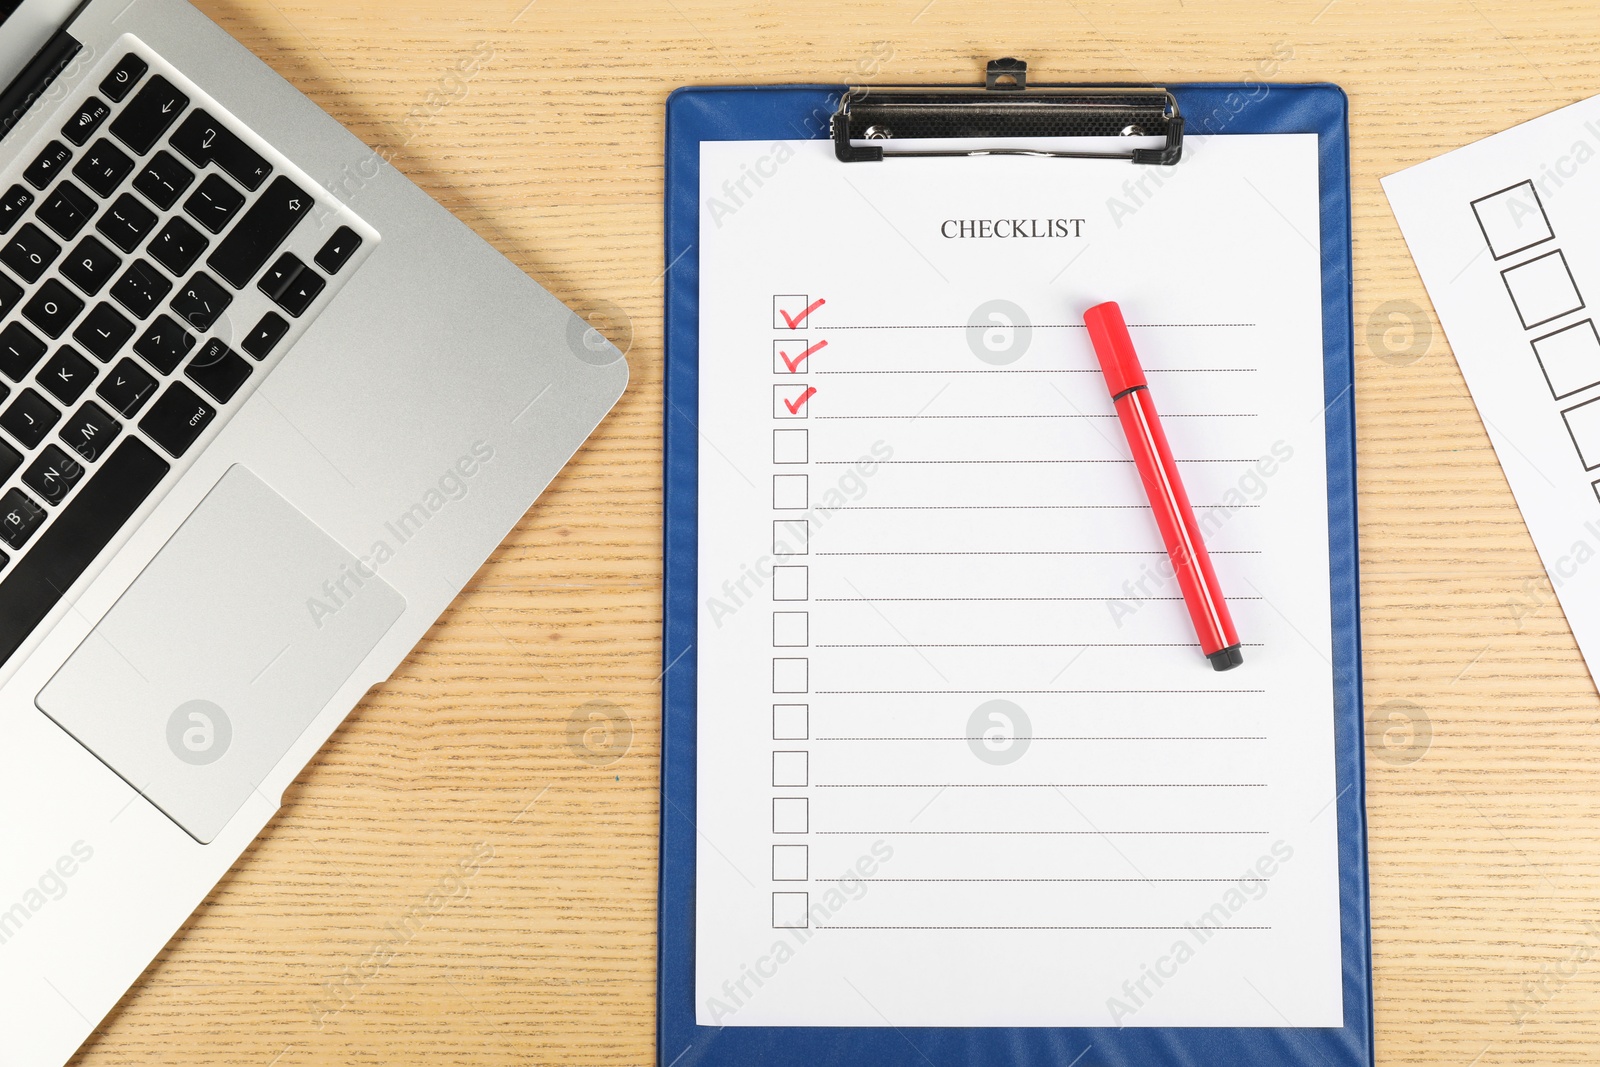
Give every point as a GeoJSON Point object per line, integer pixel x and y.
{"type": "Point", "coordinates": [1137, 413]}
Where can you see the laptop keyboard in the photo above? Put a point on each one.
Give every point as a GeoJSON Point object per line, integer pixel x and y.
{"type": "Point", "coordinates": [153, 264]}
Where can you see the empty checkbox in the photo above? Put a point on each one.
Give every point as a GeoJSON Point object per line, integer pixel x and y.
{"type": "Point", "coordinates": [1512, 219]}
{"type": "Point", "coordinates": [791, 769]}
{"type": "Point", "coordinates": [791, 863]}
{"type": "Point", "coordinates": [791, 722]}
{"type": "Point", "coordinates": [789, 910]}
{"type": "Point", "coordinates": [791, 583]}
{"type": "Point", "coordinates": [791, 537]}
{"type": "Point", "coordinates": [791, 492]}
{"type": "Point", "coordinates": [1570, 358]}
{"type": "Point", "coordinates": [791, 815]}
{"type": "Point", "coordinates": [791, 629]}
{"type": "Point", "coordinates": [1583, 426]}
{"type": "Point", "coordinates": [791, 446]}
{"type": "Point", "coordinates": [790, 674]}
{"type": "Point", "coordinates": [1542, 289]}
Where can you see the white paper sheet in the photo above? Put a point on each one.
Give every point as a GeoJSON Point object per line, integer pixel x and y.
{"type": "Point", "coordinates": [960, 760]}
{"type": "Point", "coordinates": [1504, 235]}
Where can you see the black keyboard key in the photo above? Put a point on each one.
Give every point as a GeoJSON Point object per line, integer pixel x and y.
{"type": "Point", "coordinates": [163, 179]}
{"type": "Point", "coordinates": [10, 294]}
{"type": "Point", "coordinates": [177, 245]}
{"type": "Point", "coordinates": [127, 387]}
{"type": "Point", "coordinates": [67, 210]}
{"type": "Point", "coordinates": [103, 332]}
{"type": "Point", "coordinates": [201, 300]}
{"type": "Point", "coordinates": [13, 206]}
{"type": "Point", "coordinates": [177, 419]}
{"type": "Point", "coordinates": [205, 140]}
{"type": "Point", "coordinates": [338, 249]}
{"type": "Point", "coordinates": [30, 418]}
{"type": "Point", "coordinates": [20, 516]}
{"type": "Point", "coordinates": [219, 370]}
{"type": "Point", "coordinates": [38, 581]}
{"type": "Point", "coordinates": [129, 69]}
{"type": "Point", "coordinates": [53, 474]}
{"type": "Point", "coordinates": [20, 351]}
{"type": "Point", "coordinates": [302, 289]}
{"type": "Point", "coordinates": [291, 284]}
{"type": "Point", "coordinates": [10, 461]}
{"type": "Point", "coordinates": [43, 170]}
{"type": "Point", "coordinates": [90, 432]}
{"type": "Point", "coordinates": [81, 126]}
{"type": "Point", "coordinates": [67, 375]}
{"type": "Point", "coordinates": [53, 308]}
{"type": "Point", "coordinates": [127, 222]}
{"type": "Point", "coordinates": [280, 274]}
{"type": "Point", "coordinates": [29, 253]}
{"type": "Point", "coordinates": [141, 288]}
{"type": "Point", "coordinates": [260, 232]}
{"type": "Point", "coordinates": [214, 203]}
{"type": "Point", "coordinates": [268, 332]}
{"type": "Point", "coordinates": [103, 167]}
{"type": "Point", "coordinates": [164, 344]}
{"type": "Point", "coordinates": [153, 108]}
{"type": "Point", "coordinates": [90, 265]}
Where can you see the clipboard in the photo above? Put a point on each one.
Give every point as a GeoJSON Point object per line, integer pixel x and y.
{"type": "Point", "coordinates": [1003, 106]}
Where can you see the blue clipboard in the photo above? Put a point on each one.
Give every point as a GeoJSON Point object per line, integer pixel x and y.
{"type": "Point", "coordinates": [792, 111]}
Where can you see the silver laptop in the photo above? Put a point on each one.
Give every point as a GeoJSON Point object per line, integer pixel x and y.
{"type": "Point", "coordinates": [265, 407]}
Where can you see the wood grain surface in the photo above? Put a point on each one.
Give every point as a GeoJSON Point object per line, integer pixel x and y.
{"type": "Point", "coordinates": [485, 766]}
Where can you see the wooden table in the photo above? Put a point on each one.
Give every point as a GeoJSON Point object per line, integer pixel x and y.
{"type": "Point", "coordinates": [516, 751]}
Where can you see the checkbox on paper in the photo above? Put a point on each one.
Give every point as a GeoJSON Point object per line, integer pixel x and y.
{"type": "Point", "coordinates": [1570, 358]}
{"type": "Point", "coordinates": [1512, 219]}
{"type": "Point", "coordinates": [791, 446]}
{"type": "Point", "coordinates": [789, 911]}
{"type": "Point", "coordinates": [1583, 426]}
{"type": "Point", "coordinates": [791, 769]}
{"type": "Point", "coordinates": [791, 629]}
{"type": "Point", "coordinates": [791, 722]}
{"type": "Point", "coordinates": [791, 863]}
{"type": "Point", "coordinates": [791, 537]}
{"type": "Point", "coordinates": [1542, 289]}
{"type": "Point", "coordinates": [790, 674]}
{"type": "Point", "coordinates": [791, 583]}
{"type": "Point", "coordinates": [792, 400]}
{"type": "Point", "coordinates": [791, 815]}
{"type": "Point", "coordinates": [791, 492]}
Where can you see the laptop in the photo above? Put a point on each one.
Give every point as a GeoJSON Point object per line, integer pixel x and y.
{"type": "Point", "coordinates": [265, 408]}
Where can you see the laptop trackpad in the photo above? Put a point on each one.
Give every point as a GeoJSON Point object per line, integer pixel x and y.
{"type": "Point", "coordinates": [221, 653]}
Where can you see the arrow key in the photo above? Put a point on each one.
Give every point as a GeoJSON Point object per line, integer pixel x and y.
{"type": "Point", "coordinates": [127, 387]}
{"type": "Point", "coordinates": [53, 474]}
{"type": "Point", "coordinates": [337, 252]}
{"type": "Point", "coordinates": [67, 375]}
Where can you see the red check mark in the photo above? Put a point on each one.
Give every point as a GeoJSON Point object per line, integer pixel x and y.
{"type": "Point", "coordinates": [799, 402]}
{"type": "Point", "coordinates": [794, 364]}
{"type": "Point", "coordinates": [794, 323]}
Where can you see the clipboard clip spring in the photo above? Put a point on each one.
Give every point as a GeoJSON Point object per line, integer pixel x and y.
{"type": "Point", "coordinates": [1006, 106]}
